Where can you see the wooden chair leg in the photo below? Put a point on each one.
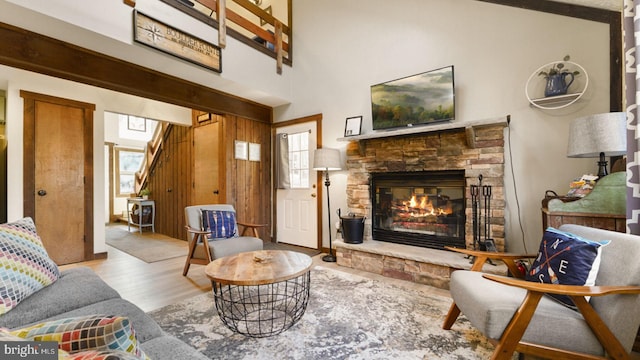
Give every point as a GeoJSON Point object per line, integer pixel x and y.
{"type": "Point", "coordinates": [516, 327]}
{"type": "Point", "coordinates": [192, 248]}
{"type": "Point", "coordinates": [207, 250]}
{"type": "Point", "coordinates": [452, 315]}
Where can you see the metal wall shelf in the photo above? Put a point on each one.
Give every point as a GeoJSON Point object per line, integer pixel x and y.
{"type": "Point", "coordinates": [559, 101]}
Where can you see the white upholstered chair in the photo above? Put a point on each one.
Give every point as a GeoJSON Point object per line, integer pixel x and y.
{"type": "Point", "coordinates": [203, 248]}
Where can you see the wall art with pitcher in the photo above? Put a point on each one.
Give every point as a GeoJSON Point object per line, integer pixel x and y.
{"type": "Point", "coordinates": [559, 76]}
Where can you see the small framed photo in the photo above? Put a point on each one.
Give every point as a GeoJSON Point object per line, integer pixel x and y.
{"type": "Point", "coordinates": [242, 150]}
{"type": "Point", "coordinates": [254, 152]}
{"type": "Point", "coordinates": [136, 123]}
{"type": "Point", "coordinates": [353, 126]}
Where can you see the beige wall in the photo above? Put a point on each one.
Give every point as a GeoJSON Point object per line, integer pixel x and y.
{"type": "Point", "coordinates": [343, 47]}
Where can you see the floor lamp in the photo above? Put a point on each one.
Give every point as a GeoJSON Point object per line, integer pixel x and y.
{"type": "Point", "coordinates": [327, 160]}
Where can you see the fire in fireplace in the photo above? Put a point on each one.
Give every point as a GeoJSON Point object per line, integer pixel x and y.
{"type": "Point", "coordinates": [425, 208]}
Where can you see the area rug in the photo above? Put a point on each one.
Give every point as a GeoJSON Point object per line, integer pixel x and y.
{"type": "Point", "coordinates": [348, 317]}
{"type": "Point", "coordinates": [148, 246]}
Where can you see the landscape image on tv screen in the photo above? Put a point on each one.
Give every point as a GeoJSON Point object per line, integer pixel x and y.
{"type": "Point", "coordinates": [419, 99]}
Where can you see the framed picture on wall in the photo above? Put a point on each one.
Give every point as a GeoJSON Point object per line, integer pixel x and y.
{"type": "Point", "coordinates": [136, 123]}
{"type": "Point", "coordinates": [254, 152]}
{"type": "Point", "coordinates": [242, 150]}
{"type": "Point", "coordinates": [353, 126]}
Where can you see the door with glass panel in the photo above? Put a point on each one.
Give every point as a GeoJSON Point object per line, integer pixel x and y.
{"type": "Point", "coordinates": [297, 207]}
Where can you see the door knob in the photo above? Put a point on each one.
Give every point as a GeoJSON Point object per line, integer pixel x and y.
{"type": "Point", "coordinates": [216, 192]}
{"type": "Point", "coordinates": [42, 192]}
{"type": "Point", "coordinates": [313, 195]}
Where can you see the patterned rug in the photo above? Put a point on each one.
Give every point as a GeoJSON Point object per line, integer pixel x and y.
{"type": "Point", "coordinates": [348, 317]}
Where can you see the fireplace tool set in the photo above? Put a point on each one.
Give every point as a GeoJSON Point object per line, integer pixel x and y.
{"type": "Point", "coordinates": [481, 194]}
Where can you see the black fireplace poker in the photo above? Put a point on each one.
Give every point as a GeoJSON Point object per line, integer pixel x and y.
{"type": "Point", "coordinates": [477, 216]}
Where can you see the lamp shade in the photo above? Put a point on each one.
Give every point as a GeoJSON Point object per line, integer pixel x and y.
{"type": "Point", "coordinates": [601, 133]}
{"type": "Point", "coordinates": [326, 159]}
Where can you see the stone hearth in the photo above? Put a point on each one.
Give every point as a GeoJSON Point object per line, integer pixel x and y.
{"type": "Point", "coordinates": [417, 264]}
{"type": "Point", "coordinates": [477, 148]}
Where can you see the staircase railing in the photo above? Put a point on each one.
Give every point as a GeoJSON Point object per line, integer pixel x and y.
{"type": "Point", "coordinates": [152, 152]}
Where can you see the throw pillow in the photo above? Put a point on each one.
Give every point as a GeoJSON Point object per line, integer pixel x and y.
{"type": "Point", "coordinates": [220, 224]}
{"type": "Point", "coordinates": [25, 266]}
{"type": "Point", "coordinates": [7, 336]}
{"type": "Point", "coordinates": [566, 259]}
{"type": "Point", "coordinates": [92, 332]}
{"type": "Point", "coordinates": [102, 355]}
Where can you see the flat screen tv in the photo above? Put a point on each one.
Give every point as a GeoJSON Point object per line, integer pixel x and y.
{"type": "Point", "coordinates": [414, 100]}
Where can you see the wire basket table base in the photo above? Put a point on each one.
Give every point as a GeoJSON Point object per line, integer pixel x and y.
{"type": "Point", "coordinates": [262, 310]}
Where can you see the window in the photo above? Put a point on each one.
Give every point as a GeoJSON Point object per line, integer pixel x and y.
{"type": "Point", "coordinates": [128, 161]}
{"type": "Point", "coordinates": [299, 160]}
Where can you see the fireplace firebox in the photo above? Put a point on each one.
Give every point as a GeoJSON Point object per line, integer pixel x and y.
{"type": "Point", "coordinates": [424, 208]}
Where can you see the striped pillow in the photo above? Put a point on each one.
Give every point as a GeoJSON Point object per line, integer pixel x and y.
{"type": "Point", "coordinates": [25, 266]}
{"type": "Point", "coordinates": [219, 223]}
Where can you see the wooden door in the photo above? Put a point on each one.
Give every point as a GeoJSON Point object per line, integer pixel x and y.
{"type": "Point", "coordinates": [58, 175]}
{"type": "Point", "coordinates": [207, 165]}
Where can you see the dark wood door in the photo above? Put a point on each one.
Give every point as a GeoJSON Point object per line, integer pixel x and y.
{"type": "Point", "coordinates": [58, 158]}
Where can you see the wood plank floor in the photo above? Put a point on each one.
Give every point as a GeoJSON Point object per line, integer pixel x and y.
{"type": "Point", "coordinates": [148, 285]}
{"type": "Point", "coordinates": [154, 285]}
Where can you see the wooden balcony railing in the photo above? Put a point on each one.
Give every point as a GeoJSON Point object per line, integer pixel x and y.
{"type": "Point", "coordinates": [269, 34]}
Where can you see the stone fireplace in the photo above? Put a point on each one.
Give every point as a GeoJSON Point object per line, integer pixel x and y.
{"type": "Point", "coordinates": [471, 149]}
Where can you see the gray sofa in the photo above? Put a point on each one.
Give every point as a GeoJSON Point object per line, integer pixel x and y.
{"type": "Point", "coordinates": [80, 291]}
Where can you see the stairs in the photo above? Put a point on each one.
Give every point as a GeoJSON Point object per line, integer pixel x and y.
{"type": "Point", "coordinates": [152, 153]}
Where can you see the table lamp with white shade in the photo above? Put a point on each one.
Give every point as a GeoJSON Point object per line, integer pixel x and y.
{"type": "Point", "coordinates": [326, 160]}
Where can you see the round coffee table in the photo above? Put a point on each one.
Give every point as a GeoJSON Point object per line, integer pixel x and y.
{"type": "Point", "coordinates": [261, 293]}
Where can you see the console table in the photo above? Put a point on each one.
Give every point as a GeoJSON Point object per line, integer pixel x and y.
{"type": "Point", "coordinates": [141, 204]}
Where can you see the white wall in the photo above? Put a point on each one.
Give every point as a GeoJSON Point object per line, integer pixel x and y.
{"type": "Point", "coordinates": [343, 47]}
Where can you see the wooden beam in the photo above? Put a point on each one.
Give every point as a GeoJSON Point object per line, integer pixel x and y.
{"type": "Point", "coordinates": [221, 13]}
{"type": "Point", "coordinates": [278, 46]}
{"type": "Point", "coordinates": [30, 51]}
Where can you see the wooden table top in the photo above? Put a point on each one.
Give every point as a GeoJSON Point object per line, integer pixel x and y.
{"type": "Point", "coordinates": [258, 267]}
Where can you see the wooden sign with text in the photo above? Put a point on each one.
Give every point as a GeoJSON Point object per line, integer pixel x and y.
{"type": "Point", "coordinates": [160, 36]}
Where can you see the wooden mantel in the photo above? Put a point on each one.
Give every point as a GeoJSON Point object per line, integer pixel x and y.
{"type": "Point", "coordinates": [412, 130]}
{"type": "Point", "coordinates": [469, 127]}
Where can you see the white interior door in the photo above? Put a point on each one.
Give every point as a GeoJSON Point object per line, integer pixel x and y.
{"type": "Point", "coordinates": [298, 206]}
